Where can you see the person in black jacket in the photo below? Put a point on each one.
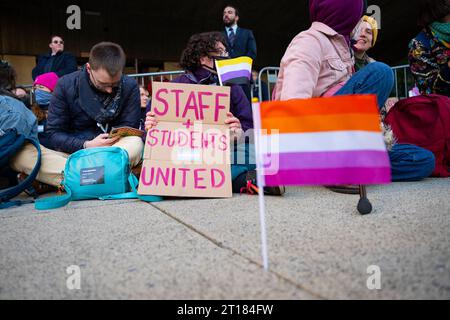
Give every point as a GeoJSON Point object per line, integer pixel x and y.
{"type": "Point", "coordinates": [56, 60]}
{"type": "Point", "coordinates": [240, 41]}
{"type": "Point", "coordinates": [84, 108]}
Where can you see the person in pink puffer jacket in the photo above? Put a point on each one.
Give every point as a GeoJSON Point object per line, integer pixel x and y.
{"type": "Point", "coordinates": [319, 62]}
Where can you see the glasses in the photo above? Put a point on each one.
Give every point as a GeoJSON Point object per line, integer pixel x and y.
{"type": "Point", "coordinates": [58, 42]}
{"type": "Point", "coordinates": [102, 86]}
{"type": "Point", "coordinates": [220, 55]}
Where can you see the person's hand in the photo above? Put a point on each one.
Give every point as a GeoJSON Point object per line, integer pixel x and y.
{"type": "Point", "coordinates": [448, 63]}
{"type": "Point", "coordinates": [234, 125]}
{"type": "Point", "coordinates": [150, 121]}
{"type": "Point", "coordinates": [102, 140]}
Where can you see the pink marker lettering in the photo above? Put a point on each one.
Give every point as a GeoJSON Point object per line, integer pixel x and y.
{"type": "Point", "coordinates": [201, 104]}
{"type": "Point", "coordinates": [161, 100]}
{"type": "Point", "coordinates": [224, 143]}
{"type": "Point", "coordinates": [151, 139]}
{"type": "Point", "coordinates": [182, 135]}
{"type": "Point", "coordinates": [219, 106]}
{"type": "Point", "coordinates": [177, 101]}
{"type": "Point", "coordinates": [191, 105]}
{"type": "Point", "coordinates": [184, 171]}
{"type": "Point", "coordinates": [164, 176]}
{"type": "Point", "coordinates": [149, 182]}
{"type": "Point", "coordinates": [214, 182]}
{"type": "Point", "coordinates": [198, 179]}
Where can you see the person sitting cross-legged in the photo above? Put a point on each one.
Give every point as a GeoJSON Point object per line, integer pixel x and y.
{"type": "Point", "coordinates": [319, 63]}
{"type": "Point", "coordinates": [84, 108]}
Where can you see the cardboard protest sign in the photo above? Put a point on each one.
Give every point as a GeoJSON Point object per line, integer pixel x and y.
{"type": "Point", "coordinates": [188, 153]}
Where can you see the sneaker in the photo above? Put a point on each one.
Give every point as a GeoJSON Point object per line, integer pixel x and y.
{"type": "Point", "coordinates": [252, 187]}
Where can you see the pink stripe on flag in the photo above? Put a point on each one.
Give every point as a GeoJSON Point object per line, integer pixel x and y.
{"type": "Point", "coordinates": [314, 177]}
{"type": "Point", "coordinates": [235, 74]}
{"type": "Point", "coordinates": [329, 160]}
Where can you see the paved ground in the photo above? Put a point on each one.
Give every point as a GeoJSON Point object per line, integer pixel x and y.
{"type": "Point", "coordinates": [320, 247]}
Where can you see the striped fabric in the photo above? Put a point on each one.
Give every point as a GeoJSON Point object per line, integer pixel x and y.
{"type": "Point", "coordinates": [323, 141]}
{"type": "Point", "coordinates": [234, 71]}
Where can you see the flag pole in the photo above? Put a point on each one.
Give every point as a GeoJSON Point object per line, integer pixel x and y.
{"type": "Point", "coordinates": [261, 183]}
{"type": "Point", "coordinates": [218, 73]}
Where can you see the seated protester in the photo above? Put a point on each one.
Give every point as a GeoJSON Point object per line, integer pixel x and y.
{"type": "Point", "coordinates": [56, 60]}
{"type": "Point", "coordinates": [10, 103]}
{"type": "Point", "coordinates": [84, 108]}
{"type": "Point", "coordinates": [364, 37]}
{"type": "Point", "coordinates": [145, 101]}
{"type": "Point", "coordinates": [429, 54]}
{"type": "Point", "coordinates": [198, 61]}
{"type": "Point", "coordinates": [318, 63]}
{"type": "Point", "coordinates": [43, 87]}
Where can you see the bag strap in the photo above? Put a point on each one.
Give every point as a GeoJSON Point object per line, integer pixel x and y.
{"type": "Point", "coordinates": [15, 191]}
{"type": "Point", "coordinates": [54, 202]}
{"type": "Point", "coordinates": [61, 201]}
{"type": "Point", "coordinates": [133, 194]}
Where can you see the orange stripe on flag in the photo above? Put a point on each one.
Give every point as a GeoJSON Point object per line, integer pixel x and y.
{"type": "Point", "coordinates": [340, 122]}
{"type": "Point", "coordinates": [352, 104]}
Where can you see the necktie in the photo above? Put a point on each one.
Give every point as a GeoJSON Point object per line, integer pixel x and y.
{"type": "Point", "coordinates": [232, 37]}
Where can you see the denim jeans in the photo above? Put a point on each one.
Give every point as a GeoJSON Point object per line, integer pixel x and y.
{"type": "Point", "coordinates": [375, 78]}
{"type": "Point", "coordinates": [411, 163]}
{"type": "Point", "coordinates": [408, 162]}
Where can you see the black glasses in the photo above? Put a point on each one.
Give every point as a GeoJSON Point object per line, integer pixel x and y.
{"type": "Point", "coordinates": [103, 86]}
{"type": "Point", "coordinates": [58, 42]}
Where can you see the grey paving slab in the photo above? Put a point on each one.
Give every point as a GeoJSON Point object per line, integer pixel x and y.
{"type": "Point", "coordinates": [125, 250]}
{"type": "Point", "coordinates": [319, 241]}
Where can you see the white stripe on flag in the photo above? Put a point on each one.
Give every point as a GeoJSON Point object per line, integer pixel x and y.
{"type": "Point", "coordinates": [323, 142]}
{"type": "Point", "coordinates": [236, 67]}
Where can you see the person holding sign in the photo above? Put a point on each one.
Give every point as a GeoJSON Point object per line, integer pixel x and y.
{"type": "Point", "coordinates": [198, 59]}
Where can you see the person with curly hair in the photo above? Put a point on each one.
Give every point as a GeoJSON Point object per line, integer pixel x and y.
{"type": "Point", "coordinates": [198, 60]}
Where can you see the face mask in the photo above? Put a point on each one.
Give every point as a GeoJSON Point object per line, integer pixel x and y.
{"type": "Point", "coordinates": [42, 97]}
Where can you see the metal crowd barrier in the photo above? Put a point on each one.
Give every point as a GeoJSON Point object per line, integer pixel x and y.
{"type": "Point", "coordinates": [146, 78]}
{"type": "Point", "coordinates": [404, 81]}
{"type": "Point", "coordinates": [267, 77]}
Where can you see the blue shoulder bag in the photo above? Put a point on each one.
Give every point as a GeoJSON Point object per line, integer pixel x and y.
{"type": "Point", "coordinates": [97, 173]}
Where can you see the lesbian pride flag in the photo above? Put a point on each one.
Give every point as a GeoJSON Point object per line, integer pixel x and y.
{"type": "Point", "coordinates": [234, 71]}
{"type": "Point", "coordinates": [323, 141]}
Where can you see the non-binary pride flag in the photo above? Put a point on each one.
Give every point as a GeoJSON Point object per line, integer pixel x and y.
{"type": "Point", "coordinates": [324, 141]}
{"type": "Point", "coordinates": [234, 71]}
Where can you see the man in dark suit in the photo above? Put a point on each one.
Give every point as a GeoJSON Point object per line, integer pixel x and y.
{"type": "Point", "coordinates": [240, 41]}
{"type": "Point", "coordinates": [56, 60]}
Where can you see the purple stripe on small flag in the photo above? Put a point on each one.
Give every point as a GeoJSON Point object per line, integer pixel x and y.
{"type": "Point", "coordinates": [314, 177]}
{"type": "Point", "coordinates": [328, 160]}
{"type": "Point", "coordinates": [235, 74]}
